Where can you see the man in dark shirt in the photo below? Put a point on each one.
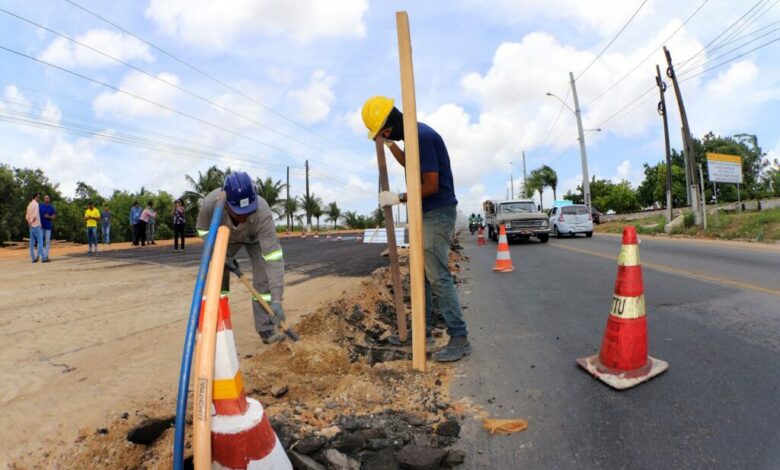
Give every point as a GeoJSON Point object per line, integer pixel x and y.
{"type": "Point", "coordinates": [48, 214]}
{"type": "Point", "coordinates": [439, 206]}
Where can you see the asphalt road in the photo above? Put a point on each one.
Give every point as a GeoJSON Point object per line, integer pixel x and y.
{"type": "Point", "coordinates": [310, 257]}
{"type": "Point", "coordinates": [713, 313]}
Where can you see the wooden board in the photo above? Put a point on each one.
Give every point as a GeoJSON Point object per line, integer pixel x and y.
{"type": "Point", "coordinates": [414, 198]}
{"type": "Point", "coordinates": [395, 270]}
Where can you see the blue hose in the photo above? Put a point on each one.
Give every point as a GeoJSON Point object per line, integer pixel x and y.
{"type": "Point", "coordinates": [189, 338]}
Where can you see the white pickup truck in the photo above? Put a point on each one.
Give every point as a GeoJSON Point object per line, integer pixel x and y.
{"type": "Point", "coordinates": [521, 217]}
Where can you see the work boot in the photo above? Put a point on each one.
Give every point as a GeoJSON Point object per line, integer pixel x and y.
{"type": "Point", "coordinates": [456, 349]}
{"type": "Point", "coordinates": [271, 336]}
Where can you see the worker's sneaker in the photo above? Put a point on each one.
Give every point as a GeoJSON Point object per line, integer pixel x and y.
{"type": "Point", "coordinates": [271, 336]}
{"type": "Point", "coordinates": [456, 349]}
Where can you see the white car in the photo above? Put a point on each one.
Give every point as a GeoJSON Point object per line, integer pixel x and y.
{"type": "Point", "coordinates": [571, 220]}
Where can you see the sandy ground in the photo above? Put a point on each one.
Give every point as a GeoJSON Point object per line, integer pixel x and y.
{"type": "Point", "coordinates": [87, 339]}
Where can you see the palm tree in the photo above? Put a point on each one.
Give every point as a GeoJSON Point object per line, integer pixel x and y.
{"type": "Point", "coordinates": [333, 212]}
{"type": "Point", "coordinates": [213, 178]}
{"type": "Point", "coordinates": [351, 219]}
{"type": "Point", "coordinates": [550, 178]}
{"type": "Point", "coordinates": [290, 208]}
{"type": "Point", "coordinates": [536, 183]}
{"type": "Point", "coordinates": [378, 217]}
{"type": "Point", "coordinates": [309, 203]}
{"type": "Point", "coordinates": [271, 191]}
{"type": "Point", "coordinates": [317, 213]}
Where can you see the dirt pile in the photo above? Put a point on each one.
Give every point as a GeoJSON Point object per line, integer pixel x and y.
{"type": "Point", "coordinates": [342, 397]}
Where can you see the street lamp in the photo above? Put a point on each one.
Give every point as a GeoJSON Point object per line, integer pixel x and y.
{"type": "Point", "coordinates": [581, 139]}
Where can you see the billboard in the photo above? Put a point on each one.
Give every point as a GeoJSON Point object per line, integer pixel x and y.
{"type": "Point", "coordinates": [724, 168]}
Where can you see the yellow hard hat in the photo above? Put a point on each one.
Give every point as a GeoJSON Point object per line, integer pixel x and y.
{"type": "Point", "coordinates": [375, 112]}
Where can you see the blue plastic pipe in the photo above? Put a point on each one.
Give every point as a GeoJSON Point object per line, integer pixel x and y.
{"type": "Point", "coordinates": [189, 338]}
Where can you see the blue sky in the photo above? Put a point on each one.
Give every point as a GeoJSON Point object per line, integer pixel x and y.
{"type": "Point", "coordinates": [304, 67]}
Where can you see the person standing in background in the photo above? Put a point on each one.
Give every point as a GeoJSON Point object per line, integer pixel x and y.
{"type": "Point", "coordinates": [48, 214]}
{"type": "Point", "coordinates": [92, 217]}
{"type": "Point", "coordinates": [33, 218]}
{"type": "Point", "coordinates": [150, 224]}
{"type": "Point", "coordinates": [143, 220]}
{"type": "Point", "coordinates": [105, 223]}
{"type": "Point", "coordinates": [179, 222]}
{"type": "Point", "coordinates": [135, 215]}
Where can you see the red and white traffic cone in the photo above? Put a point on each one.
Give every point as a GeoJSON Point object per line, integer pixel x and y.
{"type": "Point", "coordinates": [623, 361]}
{"type": "Point", "coordinates": [328, 236]}
{"type": "Point", "coordinates": [503, 258]}
{"type": "Point", "coordinates": [241, 435]}
{"type": "Point", "coordinates": [303, 235]}
{"type": "Point", "coordinates": [480, 237]}
{"type": "Point", "coordinates": [316, 235]}
{"type": "Point", "coordinates": [338, 238]}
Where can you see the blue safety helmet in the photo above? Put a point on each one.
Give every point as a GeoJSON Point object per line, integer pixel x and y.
{"type": "Point", "coordinates": [240, 193]}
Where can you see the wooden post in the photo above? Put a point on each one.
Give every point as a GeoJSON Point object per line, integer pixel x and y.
{"type": "Point", "coordinates": [395, 270]}
{"type": "Point", "coordinates": [414, 198]}
{"type": "Point", "coordinates": [204, 355]}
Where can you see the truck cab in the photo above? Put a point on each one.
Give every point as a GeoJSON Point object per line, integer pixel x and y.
{"type": "Point", "coordinates": [521, 217]}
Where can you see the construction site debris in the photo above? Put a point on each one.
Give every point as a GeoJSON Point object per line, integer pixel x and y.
{"type": "Point", "coordinates": [504, 426]}
{"type": "Point", "coordinates": [148, 431]}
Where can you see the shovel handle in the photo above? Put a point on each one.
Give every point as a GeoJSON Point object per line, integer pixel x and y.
{"type": "Point", "coordinates": [260, 300]}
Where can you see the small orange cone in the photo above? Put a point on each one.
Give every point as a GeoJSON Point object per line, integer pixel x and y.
{"type": "Point", "coordinates": [303, 235]}
{"type": "Point", "coordinates": [623, 361]}
{"type": "Point", "coordinates": [241, 435]}
{"type": "Point", "coordinates": [316, 235]}
{"type": "Point", "coordinates": [338, 238]}
{"type": "Point", "coordinates": [480, 237]}
{"type": "Point", "coordinates": [328, 237]}
{"type": "Point", "coordinates": [503, 259]}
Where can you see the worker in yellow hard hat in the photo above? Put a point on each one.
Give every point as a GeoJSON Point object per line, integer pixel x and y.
{"type": "Point", "coordinates": [384, 121]}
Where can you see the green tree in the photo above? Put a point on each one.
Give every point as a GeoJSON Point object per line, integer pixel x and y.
{"type": "Point", "coordinates": [205, 183]}
{"type": "Point", "coordinates": [317, 213]}
{"type": "Point", "coordinates": [550, 179]}
{"type": "Point", "coordinates": [377, 218]}
{"type": "Point", "coordinates": [310, 203]}
{"type": "Point", "coordinates": [290, 208]}
{"type": "Point", "coordinates": [271, 191]}
{"type": "Point", "coordinates": [10, 196]}
{"type": "Point", "coordinates": [536, 184]}
{"type": "Point", "coordinates": [333, 212]}
{"type": "Point", "coordinates": [351, 219]}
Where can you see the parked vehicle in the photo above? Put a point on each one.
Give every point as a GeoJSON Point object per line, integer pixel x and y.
{"type": "Point", "coordinates": [571, 220]}
{"type": "Point", "coordinates": [596, 215]}
{"type": "Point", "coordinates": [521, 217]}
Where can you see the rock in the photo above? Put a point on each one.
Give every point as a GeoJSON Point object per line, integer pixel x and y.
{"type": "Point", "coordinates": [335, 460]}
{"type": "Point", "coordinates": [414, 420]}
{"type": "Point", "coordinates": [448, 428]}
{"type": "Point", "coordinates": [279, 390]}
{"type": "Point", "coordinates": [303, 462]}
{"type": "Point", "coordinates": [125, 415]}
{"type": "Point", "coordinates": [284, 431]}
{"type": "Point", "coordinates": [454, 458]}
{"type": "Point", "coordinates": [330, 431]}
{"type": "Point", "coordinates": [417, 457]}
{"type": "Point", "coordinates": [310, 444]}
{"type": "Point", "coordinates": [351, 423]}
{"type": "Point", "coordinates": [357, 315]}
{"type": "Point", "coordinates": [148, 431]}
{"type": "Point", "coordinates": [102, 431]}
{"type": "Point", "coordinates": [377, 444]}
{"type": "Point", "coordinates": [382, 460]}
{"type": "Point", "coordinates": [349, 443]}
{"type": "Point", "coordinates": [374, 433]}
{"type": "Point", "coordinates": [676, 225]}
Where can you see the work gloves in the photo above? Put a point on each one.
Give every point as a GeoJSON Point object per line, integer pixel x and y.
{"type": "Point", "coordinates": [389, 198]}
{"type": "Point", "coordinates": [278, 316]}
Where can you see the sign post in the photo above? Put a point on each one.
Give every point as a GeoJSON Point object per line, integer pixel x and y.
{"type": "Point", "coordinates": [724, 168]}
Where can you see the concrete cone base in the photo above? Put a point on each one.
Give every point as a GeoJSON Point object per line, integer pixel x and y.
{"type": "Point", "coordinates": [622, 380]}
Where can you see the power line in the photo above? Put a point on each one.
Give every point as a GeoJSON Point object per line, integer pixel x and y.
{"type": "Point", "coordinates": [208, 75]}
{"type": "Point", "coordinates": [169, 83]}
{"type": "Point", "coordinates": [731, 60]}
{"type": "Point", "coordinates": [611, 40]}
{"type": "Point", "coordinates": [649, 56]}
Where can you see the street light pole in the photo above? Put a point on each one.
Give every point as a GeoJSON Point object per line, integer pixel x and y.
{"type": "Point", "coordinates": [583, 152]}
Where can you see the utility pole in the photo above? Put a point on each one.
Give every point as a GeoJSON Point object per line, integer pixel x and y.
{"type": "Point", "coordinates": [289, 216]}
{"type": "Point", "coordinates": [583, 154]}
{"type": "Point", "coordinates": [662, 111]}
{"type": "Point", "coordinates": [703, 199]}
{"type": "Point", "coordinates": [512, 182]}
{"type": "Point", "coordinates": [525, 178]}
{"type": "Point", "coordinates": [305, 208]}
{"type": "Point", "coordinates": [687, 143]}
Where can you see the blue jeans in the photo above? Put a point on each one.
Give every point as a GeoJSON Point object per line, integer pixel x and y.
{"type": "Point", "coordinates": [36, 238]}
{"type": "Point", "coordinates": [106, 234]}
{"type": "Point", "coordinates": [92, 238]}
{"type": "Point", "coordinates": [438, 228]}
{"type": "Point", "coordinates": [46, 243]}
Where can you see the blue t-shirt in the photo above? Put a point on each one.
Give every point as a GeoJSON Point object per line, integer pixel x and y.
{"type": "Point", "coordinates": [434, 157]}
{"type": "Point", "coordinates": [47, 209]}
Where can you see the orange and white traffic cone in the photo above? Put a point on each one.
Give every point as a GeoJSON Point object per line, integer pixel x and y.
{"type": "Point", "coordinates": [327, 237]}
{"type": "Point", "coordinates": [303, 235]}
{"type": "Point", "coordinates": [480, 237]}
{"type": "Point", "coordinates": [316, 235]}
{"type": "Point", "coordinates": [503, 258]}
{"type": "Point", "coordinates": [623, 361]}
{"type": "Point", "coordinates": [241, 435]}
{"type": "Point", "coordinates": [338, 238]}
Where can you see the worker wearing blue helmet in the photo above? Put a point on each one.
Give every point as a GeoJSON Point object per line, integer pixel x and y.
{"type": "Point", "coordinates": [252, 228]}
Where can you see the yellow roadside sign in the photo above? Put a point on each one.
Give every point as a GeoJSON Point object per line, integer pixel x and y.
{"type": "Point", "coordinates": [724, 168]}
{"type": "Point", "coordinates": [722, 157]}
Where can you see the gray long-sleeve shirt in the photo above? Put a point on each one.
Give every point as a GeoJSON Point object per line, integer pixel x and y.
{"type": "Point", "coordinates": [259, 228]}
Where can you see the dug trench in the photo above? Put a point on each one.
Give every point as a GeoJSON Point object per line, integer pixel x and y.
{"type": "Point", "coordinates": [340, 398]}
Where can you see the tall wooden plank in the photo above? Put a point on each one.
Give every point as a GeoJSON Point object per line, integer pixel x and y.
{"type": "Point", "coordinates": [414, 198]}
{"type": "Point", "coordinates": [395, 270]}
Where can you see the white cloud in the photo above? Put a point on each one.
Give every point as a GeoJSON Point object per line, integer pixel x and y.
{"type": "Point", "coordinates": [315, 100]}
{"type": "Point", "coordinates": [51, 112]}
{"type": "Point", "coordinates": [354, 120]}
{"type": "Point", "coordinates": [217, 25]}
{"type": "Point", "coordinates": [68, 54]}
{"type": "Point", "coordinates": [141, 85]}
{"type": "Point", "coordinates": [14, 99]}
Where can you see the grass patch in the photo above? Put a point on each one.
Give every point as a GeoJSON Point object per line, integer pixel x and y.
{"type": "Point", "coordinates": [646, 226]}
